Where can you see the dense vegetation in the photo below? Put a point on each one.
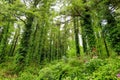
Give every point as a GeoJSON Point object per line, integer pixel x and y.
{"type": "Point", "coordinates": [59, 39]}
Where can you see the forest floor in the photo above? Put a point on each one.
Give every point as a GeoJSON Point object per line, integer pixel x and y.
{"type": "Point", "coordinates": [65, 69]}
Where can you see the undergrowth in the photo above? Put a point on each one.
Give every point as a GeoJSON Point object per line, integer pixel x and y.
{"type": "Point", "coordinates": [73, 69]}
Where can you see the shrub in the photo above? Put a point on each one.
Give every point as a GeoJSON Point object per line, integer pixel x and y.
{"type": "Point", "coordinates": [93, 65]}
{"type": "Point", "coordinates": [108, 71]}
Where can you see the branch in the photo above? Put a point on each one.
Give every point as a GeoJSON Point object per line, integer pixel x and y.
{"type": "Point", "coordinates": [78, 13]}
{"type": "Point", "coordinates": [64, 22]}
{"type": "Point", "coordinates": [20, 19]}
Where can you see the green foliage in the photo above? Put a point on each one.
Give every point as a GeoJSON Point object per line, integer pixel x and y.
{"type": "Point", "coordinates": [93, 64]}
{"type": "Point", "coordinates": [115, 39]}
{"type": "Point", "coordinates": [71, 52]}
{"type": "Point", "coordinates": [74, 69]}
{"type": "Point", "coordinates": [27, 76]}
{"type": "Point", "coordinates": [108, 71]}
{"type": "Point", "coordinates": [44, 42]}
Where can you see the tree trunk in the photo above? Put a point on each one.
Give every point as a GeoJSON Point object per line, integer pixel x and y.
{"type": "Point", "coordinates": [76, 32]}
